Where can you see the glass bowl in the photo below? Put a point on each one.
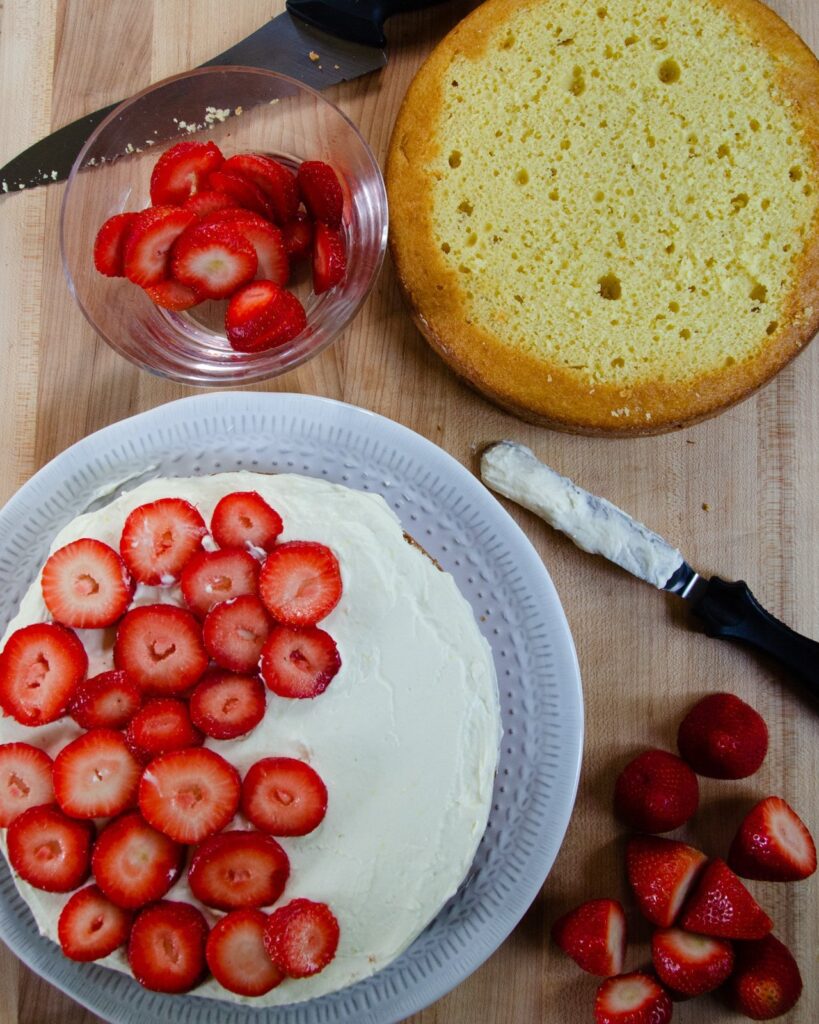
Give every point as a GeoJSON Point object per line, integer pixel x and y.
{"type": "Point", "coordinates": [241, 110]}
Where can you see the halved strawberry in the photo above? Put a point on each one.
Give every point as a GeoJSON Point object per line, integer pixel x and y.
{"type": "Point", "coordinates": [262, 315]}
{"type": "Point", "coordinates": [632, 999]}
{"type": "Point", "coordinates": [766, 982]}
{"type": "Point", "coordinates": [173, 295]}
{"type": "Point", "coordinates": [321, 192]}
{"type": "Point", "coordinates": [109, 245]}
{"type": "Point", "coordinates": [297, 235]}
{"type": "Point", "coordinates": [106, 701]}
{"type": "Point", "coordinates": [234, 633]}
{"type": "Point", "coordinates": [133, 863]}
{"type": "Point", "coordinates": [284, 796]}
{"type": "Point", "coordinates": [655, 792]}
{"type": "Point", "coordinates": [91, 926]}
{"type": "Point", "coordinates": [722, 906]}
{"type": "Point", "coordinates": [265, 238]}
{"type": "Point", "coordinates": [299, 662]}
{"type": "Point", "coordinates": [722, 737]}
{"type": "Point", "coordinates": [300, 582]}
{"type": "Point", "coordinates": [690, 964]}
{"type": "Point", "coordinates": [301, 937]}
{"type": "Point", "coordinates": [146, 254]}
{"type": "Point", "coordinates": [246, 193]}
{"type": "Point", "coordinates": [225, 705]}
{"type": "Point", "coordinates": [329, 257]}
{"type": "Point", "coordinates": [96, 775]}
{"type": "Point", "coordinates": [49, 850]}
{"type": "Point", "coordinates": [25, 780]}
{"type": "Point", "coordinates": [205, 203]}
{"type": "Point", "coordinates": [182, 170]}
{"type": "Point", "coordinates": [594, 936]}
{"type": "Point", "coordinates": [238, 869]}
{"type": "Point", "coordinates": [86, 584]}
{"type": "Point", "coordinates": [40, 667]}
{"type": "Point", "coordinates": [773, 844]}
{"type": "Point", "coordinates": [211, 577]}
{"type": "Point", "coordinates": [166, 949]}
{"type": "Point", "coordinates": [158, 539]}
{"type": "Point", "coordinates": [189, 794]}
{"type": "Point", "coordinates": [661, 873]}
{"type": "Point", "coordinates": [214, 259]}
{"type": "Point", "coordinates": [160, 647]}
{"type": "Point", "coordinates": [160, 727]}
{"type": "Point", "coordinates": [244, 519]}
{"type": "Point", "coordinates": [236, 955]}
{"type": "Point", "coordinates": [273, 178]}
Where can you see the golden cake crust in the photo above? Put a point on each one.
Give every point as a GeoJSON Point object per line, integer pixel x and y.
{"type": "Point", "coordinates": [521, 381]}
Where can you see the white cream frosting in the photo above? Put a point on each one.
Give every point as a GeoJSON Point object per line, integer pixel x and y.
{"type": "Point", "coordinates": [406, 736]}
{"type": "Point", "coordinates": [594, 524]}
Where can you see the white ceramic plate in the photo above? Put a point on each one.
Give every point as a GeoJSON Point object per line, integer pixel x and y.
{"type": "Point", "coordinates": [462, 526]}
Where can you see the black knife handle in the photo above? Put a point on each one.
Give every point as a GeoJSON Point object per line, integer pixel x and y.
{"type": "Point", "coordinates": [730, 611]}
{"type": "Point", "coordinates": [361, 21]}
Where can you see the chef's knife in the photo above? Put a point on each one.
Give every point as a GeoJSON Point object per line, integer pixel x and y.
{"type": "Point", "coordinates": [319, 42]}
{"type": "Point", "coordinates": [728, 610]}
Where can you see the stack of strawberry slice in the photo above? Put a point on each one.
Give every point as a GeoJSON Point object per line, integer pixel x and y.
{"type": "Point", "coordinates": [229, 229]}
{"type": "Point", "coordinates": [710, 931]}
{"type": "Point", "coordinates": [136, 799]}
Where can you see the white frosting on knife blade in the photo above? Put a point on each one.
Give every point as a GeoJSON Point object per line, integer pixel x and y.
{"type": "Point", "coordinates": [594, 524]}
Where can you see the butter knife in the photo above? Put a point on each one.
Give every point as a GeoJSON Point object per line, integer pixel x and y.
{"type": "Point", "coordinates": [728, 610]}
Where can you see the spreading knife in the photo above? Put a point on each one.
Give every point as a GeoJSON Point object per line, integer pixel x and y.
{"type": "Point", "coordinates": [319, 42]}
{"type": "Point", "coordinates": [728, 610]}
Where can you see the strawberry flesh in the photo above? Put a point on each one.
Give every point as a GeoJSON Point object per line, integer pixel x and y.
{"type": "Point", "coordinates": [283, 796]}
{"type": "Point", "coordinates": [320, 189]}
{"type": "Point", "coordinates": [96, 775]}
{"type": "Point", "coordinates": [593, 935]}
{"type": "Point", "coordinates": [238, 869]}
{"type": "Point", "coordinates": [297, 235]}
{"type": "Point", "coordinates": [299, 663]}
{"type": "Point", "coordinates": [40, 667]}
{"type": "Point", "coordinates": [766, 982]}
{"type": "Point", "coordinates": [166, 949]}
{"type": "Point", "coordinates": [246, 193]}
{"type": "Point", "coordinates": [91, 926]}
{"type": "Point", "coordinates": [235, 632]}
{"type": "Point", "coordinates": [244, 519]}
{"type": "Point", "coordinates": [109, 245]}
{"type": "Point", "coordinates": [181, 171]}
{"type": "Point", "coordinates": [173, 295]}
{"type": "Point", "coordinates": [203, 204]}
{"type": "Point", "coordinates": [632, 999]}
{"type": "Point", "coordinates": [162, 726]}
{"type": "Point", "coordinates": [266, 239]}
{"type": "Point", "coordinates": [690, 964]}
{"type": "Point", "coordinates": [211, 577]}
{"type": "Point", "coordinates": [214, 259]}
{"type": "Point", "coordinates": [146, 255]}
{"type": "Point", "coordinates": [329, 258]}
{"type": "Point", "coordinates": [226, 705]}
{"type": "Point", "coordinates": [301, 937]}
{"type": "Point", "coordinates": [106, 701]}
{"type": "Point", "coordinates": [773, 844]}
{"type": "Point", "coordinates": [160, 647]}
{"type": "Point", "coordinates": [49, 850]}
{"type": "Point", "coordinates": [236, 955]}
{"type": "Point", "coordinates": [721, 906]}
{"type": "Point", "coordinates": [25, 780]}
{"type": "Point", "coordinates": [300, 582]}
{"type": "Point", "coordinates": [661, 873]}
{"type": "Point", "coordinates": [262, 315]}
{"type": "Point", "coordinates": [656, 792]}
{"type": "Point", "coordinates": [158, 539]}
{"type": "Point", "coordinates": [722, 737]}
{"type": "Point", "coordinates": [86, 585]}
{"type": "Point", "coordinates": [133, 863]}
{"type": "Point", "coordinates": [275, 181]}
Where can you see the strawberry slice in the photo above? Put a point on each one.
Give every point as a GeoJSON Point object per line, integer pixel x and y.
{"type": "Point", "coordinates": [40, 666]}
{"type": "Point", "coordinates": [91, 926]}
{"type": "Point", "coordinates": [766, 982]}
{"type": "Point", "coordinates": [86, 585]}
{"type": "Point", "coordinates": [301, 937]}
{"type": "Point", "coordinates": [96, 775]}
{"type": "Point", "coordinates": [722, 737]}
{"type": "Point", "coordinates": [246, 193]}
{"type": "Point", "coordinates": [632, 999]}
{"type": "Point", "coordinates": [283, 796]}
{"type": "Point", "coordinates": [723, 907]}
{"type": "Point", "coordinates": [211, 577]}
{"type": "Point", "coordinates": [106, 701]}
{"type": "Point", "coordinates": [166, 949]}
{"type": "Point", "coordinates": [214, 259]}
{"type": "Point", "coordinates": [160, 727]}
{"type": "Point", "coordinates": [238, 869]}
{"type": "Point", "coordinates": [244, 519]}
{"type": "Point", "coordinates": [133, 863]}
{"type": "Point", "coordinates": [773, 844]}
{"type": "Point", "coordinates": [181, 171]}
{"type": "Point", "coordinates": [225, 705]}
{"type": "Point", "coordinates": [690, 964]}
{"type": "Point", "coordinates": [273, 178]}
{"type": "Point", "coordinates": [265, 238]}
{"type": "Point", "coordinates": [160, 647]}
{"type": "Point", "coordinates": [146, 253]}
{"type": "Point", "coordinates": [234, 633]}
{"type": "Point", "coordinates": [300, 582]}
{"type": "Point", "coordinates": [236, 955]}
{"type": "Point", "coordinates": [205, 203]}
{"type": "Point", "coordinates": [656, 792]}
{"type": "Point", "coordinates": [262, 315]}
{"type": "Point", "coordinates": [158, 539]}
{"type": "Point", "coordinates": [25, 780]}
{"type": "Point", "coordinates": [49, 850]}
{"type": "Point", "coordinates": [109, 245]}
{"type": "Point", "coordinates": [594, 936]}
{"type": "Point", "coordinates": [297, 235]}
{"type": "Point", "coordinates": [173, 295]}
{"type": "Point", "coordinates": [189, 794]}
{"type": "Point", "coordinates": [661, 873]}
{"type": "Point", "coordinates": [299, 662]}
{"type": "Point", "coordinates": [321, 192]}
{"type": "Point", "coordinates": [329, 258]}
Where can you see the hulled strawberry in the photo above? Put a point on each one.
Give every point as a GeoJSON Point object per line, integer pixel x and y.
{"type": "Point", "coordinates": [147, 247]}
{"type": "Point", "coordinates": [40, 667]}
{"type": "Point", "coordinates": [632, 999]}
{"type": "Point", "coordinates": [49, 850]}
{"type": "Point", "coordinates": [86, 585]}
{"type": "Point", "coordinates": [173, 295]}
{"type": "Point", "coordinates": [166, 948]}
{"type": "Point", "coordinates": [203, 204]}
{"type": "Point", "coordinates": [159, 538]}
{"type": "Point", "coordinates": [266, 239]}
{"type": "Point", "coordinates": [329, 258]}
{"type": "Point", "coordinates": [262, 315]}
{"type": "Point", "coordinates": [226, 705]}
{"type": "Point", "coordinates": [106, 701]}
{"type": "Point", "coordinates": [236, 954]}
{"type": "Point", "coordinates": [238, 869]}
{"type": "Point", "coordinates": [661, 873]}
{"type": "Point", "coordinates": [96, 775]}
{"type": "Point", "coordinates": [182, 170]}
{"type": "Point", "coordinates": [211, 577]}
{"type": "Point", "coordinates": [161, 726]}
{"type": "Point", "coordinates": [235, 632]}
{"type": "Point", "coordinates": [690, 964]}
{"type": "Point", "coordinates": [297, 235]}
{"type": "Point", "coordinates": [160, 647]}
{"type": "Point", "coordinates": [213, 259]}
{"type": "Point", "coordinates": [321, 192]}
{"type": "Point", "coordinates": [91, 926]}
{"type": "Point", "coordinates": [25, 780]}
{"type": "Point", "coordinates": [246, 193]}
{"type": "Point", "coordinates": [773, 844]}
{"type": "Point", "coordinates": [301, 938]}
{"type": "Point", "coordinates": [133, 863]}
{"type": "Point", "coordinates": [300, 582]}
{"type": "Point", "coordinates": [721, 906]}
{"type": "Point", "coordinates": [284, 796]}
{"type": "Point", "coordinates": [594, 936]}
{"type": "Point", "coordinates": [766, 982]}
{"type": "Point", "coordinates": [722, 737]}
{"type": "Point", "coordinates": [244, 519]}
{"type": "Point", "coordinates": [655, 792]}
{"type": "Point", "coordinates": [109, 245]}
{"type": "Point", "coordinates": [299, 663]}
{"type": "Point", "coordinates": [274, 179]}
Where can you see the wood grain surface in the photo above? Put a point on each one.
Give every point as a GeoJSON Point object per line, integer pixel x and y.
{"type": "Point", "coordinates": [737, 494]}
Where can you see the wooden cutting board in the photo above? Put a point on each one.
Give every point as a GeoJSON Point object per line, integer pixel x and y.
{"type": "Point", "coordinates": [736, 494]}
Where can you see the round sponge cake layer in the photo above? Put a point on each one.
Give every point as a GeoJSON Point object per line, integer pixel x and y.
{"type": "Point", "coordinates": [605, 213]}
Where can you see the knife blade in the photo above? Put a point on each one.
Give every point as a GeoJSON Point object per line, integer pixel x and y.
{"type": "Point", "coordinates": [728, 609]}
{"type": "Point", "coordinates": [319, 42]}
